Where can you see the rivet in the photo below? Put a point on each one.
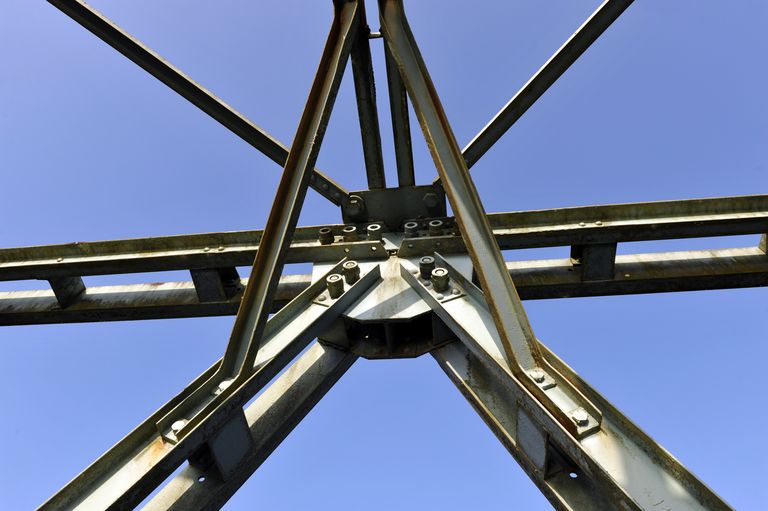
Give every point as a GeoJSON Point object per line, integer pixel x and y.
{"type": "Point", "coordinates": [373, 249]}
{"type": "Point", "coordinates": [582, 224]}
{"type": "Point", "coordinates": [321, 298]}
{"type": "Point", "coordinates": [455, 291]}
{"type": "Point", "coordinates": [207, 249]}
{"type": "Point", "coordinates": [225, 384]}
{"type": "Point", "coordinates": [598, 223]}
{"type": "Point", "coordinates": [59, 259]}
{"type": "Point", "coordinates": [221, 248]}
{"type": "Point", "coordinates": [439, 296]}
{"type": "Point", "coordinates": [410, 245]}
{"type": "Point", "coordinates": [627, 275]}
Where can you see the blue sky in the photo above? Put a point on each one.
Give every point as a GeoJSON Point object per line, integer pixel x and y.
{"type": "Point", "coordinates": [670, 103]}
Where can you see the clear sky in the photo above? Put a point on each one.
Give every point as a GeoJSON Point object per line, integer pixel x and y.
{"type": "Point", "coordinates": [669, 104]}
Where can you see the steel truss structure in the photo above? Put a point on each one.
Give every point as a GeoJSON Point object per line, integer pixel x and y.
{"type": "Point", "coordinates": [398, 278]}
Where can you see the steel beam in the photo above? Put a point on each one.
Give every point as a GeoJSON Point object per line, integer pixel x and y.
{"type": "Point", "coordinates": [619, 468]}
{"type": "Point", "coordinates": [151, 62]}
{"type": "Point", "coordinates": [535, 280]}
{"type": "Point", "coordinates": [508, 313]}
{"type": "Point", "coordinates": [128, 472]}
{"type": "Point", "coordinates": [401, 124]}
{"type": "Point", "coordinates": [270, 419]}
{"type": "Point", "coordinates": [576, 226]}
{"type": "Point", "coordinates": [568, 53]}
{"type": "Point", "coordinates": [248, 331]}
{"type": "Point", "coordinates": [365, 93]}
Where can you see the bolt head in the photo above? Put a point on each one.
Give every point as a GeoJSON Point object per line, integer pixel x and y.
{"type": "Point", "coordinates": [537, 374]}
{"type": "Point", "coordinates": [580, 417]}
{"type": "Point", "coordinates": [178, 425]}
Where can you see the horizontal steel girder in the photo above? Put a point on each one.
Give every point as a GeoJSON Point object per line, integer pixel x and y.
{"type": "Point", "coordinates": [543, 279]}
{"type": "Point", "coordinates": [516, 230]}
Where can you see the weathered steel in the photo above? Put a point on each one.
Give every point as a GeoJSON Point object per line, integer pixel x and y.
{"type": "Point", "coordinates": [535, 280]}
{"type": "Point", "coordinates": [619, 223]}
{"type": "Point", "coordinates": [246, 337]}
{"type": "Point", "coordinates": [411, 289]}
{"type": "Point", "coordinates": [365, 92]}
{"type": "Point", "coordinates": [620, 468]}
{"type": "Point", "coordinates": [128, 472]}
{"type": "Point", "coordinates": [401, 124]}
{"type": "Point", "coordinates": [509, 315]}
{"type": "Point", "coordinates": [151, 62]}
{"type": "Point", "coordinates": [568, 53]}
{"type": "Point", "coordinates": [270, 418]}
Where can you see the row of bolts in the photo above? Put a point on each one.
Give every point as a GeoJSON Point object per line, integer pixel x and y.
{"type": "Point", "coordinates": [350, 272]}
{"type": "Point", "coordinates": [373, 231]}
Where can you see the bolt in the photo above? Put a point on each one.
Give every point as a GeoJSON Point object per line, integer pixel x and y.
{"type": "Point", "coordinates": [440, 279]}
{"type": "Point", "coordinates": [374, 232]}
{"type": "Point", "coordinates": [178, 425]}
{"type": "Point", "coordinates": [355, 206]}
{"type": "Point", "coordinates": [435, 227]}
{"type": "Point", "coordinates": [351, 271]}
{"type": "Point", "coordinates": [224, 385]}
{"type": "Point", "coordinates": [410, 228]}
{"type": "Point", "coordinates": [430, 200]}
{"type": "Point", "coordinates": [580, 417]}
{"type": "Point", "coordinates": [325, 236]}
{"type": "Point", "coordinates": [537, 374]}
{"type": "Point", "coordinates": [335, 285]}
{"type": "Point", "coordinates": [350, 233]}
{"type": "Point", "coordinates": [426, 265]}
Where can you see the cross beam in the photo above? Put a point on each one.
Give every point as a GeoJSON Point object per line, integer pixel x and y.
{"type": "Point", "coordinates": [429, 284]}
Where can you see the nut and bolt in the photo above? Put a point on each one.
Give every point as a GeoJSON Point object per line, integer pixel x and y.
{"type": "Point", "coordinates": [178, 426]}
{"type": "Point", "coordinates": [350, 233]}
{"type": "Point", "coordinates": [580, 417]}
{"type": "Point", "coordinates": [435, 227]}
{"type": "Point", "coordinates": [351, 271]}
{"type": "Point", "coordinates": [440, 279]}
{"type": "Point", "coordinates": [355, 206]}
{"type": "Point", "coordinates": [537, 374]}
{"type": "Point", "coordinates": [426, 265]}
{"type": "Point", "coordinates": [325, 236]}
{"type": "Point", "coordinates": [374, 232]}
{"type": "Point", "coordinates": [411, 228]}
{"type": "Point", "coordinates": [335, 285]}
{"type": "Point", "coordinates": [225, 384]}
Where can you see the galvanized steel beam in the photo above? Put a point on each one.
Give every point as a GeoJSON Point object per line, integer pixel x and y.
{"type": "Point", "coordinates": [151, 62]}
